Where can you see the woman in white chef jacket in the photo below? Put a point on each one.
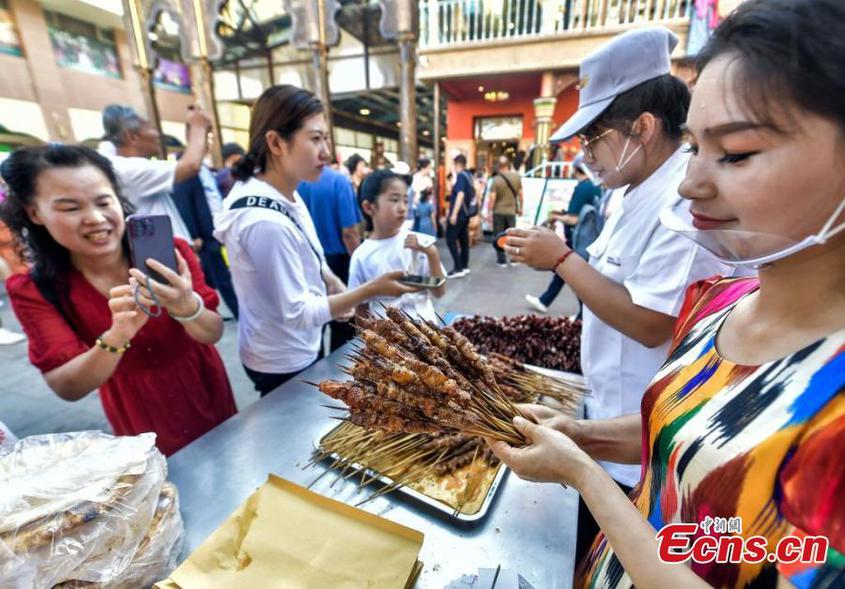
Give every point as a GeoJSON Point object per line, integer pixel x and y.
{"type": "Point", "coordinates": [629, 119]}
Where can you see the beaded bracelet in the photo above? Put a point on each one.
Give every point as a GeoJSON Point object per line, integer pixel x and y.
{"type": "Point", "coordinates": [562, 259]}
{"type": "Point", "coordinates": [104, 346]}
{"type": "Point", "coordinates": [195, 314]}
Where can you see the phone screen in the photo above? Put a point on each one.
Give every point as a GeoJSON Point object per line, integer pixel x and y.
{"type": "Point", "coordinates": [424, 281]}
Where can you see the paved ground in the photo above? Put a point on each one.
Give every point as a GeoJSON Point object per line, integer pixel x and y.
{"type": "Point", "coordinates": [29, 407]}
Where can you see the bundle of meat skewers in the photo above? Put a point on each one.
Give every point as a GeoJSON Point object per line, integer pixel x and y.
{"type": "Point", "coordinates": [420, 399]}
{"type": "Point", "coordinates": [415, 377]}
{"type": "Point", "coordinates": [522, 385]}
{"type": "Point", "coordinates": [405, 459]}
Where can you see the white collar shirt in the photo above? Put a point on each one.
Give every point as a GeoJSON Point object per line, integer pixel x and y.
{"type": "Point", "coordinates": [276, 269]}
{"type": "Point", "coordinates": [148, 184]}
{"type": "Point", "coordinates": [656, 266]}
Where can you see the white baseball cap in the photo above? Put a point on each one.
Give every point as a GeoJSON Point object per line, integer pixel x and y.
{"type": "Point", "coordinates": [626, 61]}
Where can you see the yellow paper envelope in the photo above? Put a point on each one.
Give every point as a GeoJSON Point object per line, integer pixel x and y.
{"type": "Point", "coordinates": [285, 536]}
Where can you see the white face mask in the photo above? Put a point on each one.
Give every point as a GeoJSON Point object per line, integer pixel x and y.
{"type": "Point", "coordinates": [623, 161]}
{"type": "Point", "coordinates": [749, 249]}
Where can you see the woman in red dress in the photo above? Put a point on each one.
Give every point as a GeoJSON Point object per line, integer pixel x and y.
{"type": "Point", "coordinates": [78, 308]}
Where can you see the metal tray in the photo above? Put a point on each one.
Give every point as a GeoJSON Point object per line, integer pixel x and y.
{"type": "Point", "coordinates": [430, 502]}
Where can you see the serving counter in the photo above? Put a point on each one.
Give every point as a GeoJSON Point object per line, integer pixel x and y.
{"type": "Point", "coordinates": [530, 528]}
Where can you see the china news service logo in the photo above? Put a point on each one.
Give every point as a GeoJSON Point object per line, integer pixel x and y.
{"type": "Point", "coordinates": [719, 540]}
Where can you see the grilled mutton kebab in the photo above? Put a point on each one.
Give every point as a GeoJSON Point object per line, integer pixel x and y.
{"type": "Point", "coordinates": [404, 458]}
{"type": "Point", "coordinates": [414, 377]}
{"type": "Point", "coordinates": [421, 392]}
{"type": "Point", "coordinates": [525, 386]}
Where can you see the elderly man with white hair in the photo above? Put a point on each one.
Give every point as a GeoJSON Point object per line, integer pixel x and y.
{"type": "Point", "coordinates": [130, 142]}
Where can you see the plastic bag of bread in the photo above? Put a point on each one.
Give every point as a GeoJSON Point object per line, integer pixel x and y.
{"type": "Point", "coordinates": [75, 506]}
{"type": "Point", "coordinates": [157, 554]}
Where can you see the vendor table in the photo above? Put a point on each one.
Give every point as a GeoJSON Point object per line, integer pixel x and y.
{"type": "Point", "coordinates": [530, 528]}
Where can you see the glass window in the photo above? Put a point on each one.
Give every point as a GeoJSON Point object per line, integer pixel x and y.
{"type": "Point", "coordinates": [82, 46]}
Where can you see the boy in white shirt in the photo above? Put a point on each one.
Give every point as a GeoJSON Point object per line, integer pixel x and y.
{"type": "Point", "coordinates": [383, 198]}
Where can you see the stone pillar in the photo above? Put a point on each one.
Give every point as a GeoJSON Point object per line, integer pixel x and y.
{"type": "Point", "coordinates": [320, 52]}
{"type": "Point", "coordinates": [135, 26]}
{"type": "Point", "coordinates": [544, 108]}
{"type": "Point", "coordinates": [202, 81]}
{"type": "Point", "coordinates": [320, 61]}
{"type": "Point", "coordinates": [408, 99]}
{"type": "Point", "coordinates": [438, 156]}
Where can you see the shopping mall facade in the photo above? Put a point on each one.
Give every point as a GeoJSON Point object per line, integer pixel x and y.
{"type": "Point", "coordinates": [498, 75]}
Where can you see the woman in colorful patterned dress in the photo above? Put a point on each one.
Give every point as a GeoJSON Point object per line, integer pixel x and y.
{"type": "Point", "coordinates": [745, 421]}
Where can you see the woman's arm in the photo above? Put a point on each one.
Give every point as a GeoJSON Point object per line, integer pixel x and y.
{"type": "Point", "coordinates": [88, 371]}
{"type": "Point", "coordinates": [615, 440]}
{"type": "Point", "coordinates": [386, 285]}
{"type": "Point", "coordinates": [550, 456]}
{"type": "Point", "coordinates": [630, 535]}
{"type": "Point", "coordinates": [207, 328]}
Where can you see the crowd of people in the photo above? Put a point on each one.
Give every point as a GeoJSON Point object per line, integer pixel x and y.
{"type": "Point", "coordinates": [704, 241]}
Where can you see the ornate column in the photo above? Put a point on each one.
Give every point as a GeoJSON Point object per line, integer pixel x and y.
{"type": "Point", "coordinates": [313, 27]}
{"type": "Point", "coordinates": [399, 22]}
{"type": "Point", "coordinates": [204, 48]}
{"type": "Point", "coordinates": [544, 108]}
{"type": "Point", "coordinates": [437, 146]}
{"type": "Point", "coordinates": [134, 15]}
{"type": "Point", "coordinates": [408, 98]}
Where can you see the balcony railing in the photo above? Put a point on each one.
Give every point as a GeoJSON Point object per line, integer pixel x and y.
{"type": "Point", "coordinates": [449, 22]}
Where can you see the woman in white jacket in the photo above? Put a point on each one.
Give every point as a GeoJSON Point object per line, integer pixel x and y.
{"type": "Point", "coordinates": [285, 289]}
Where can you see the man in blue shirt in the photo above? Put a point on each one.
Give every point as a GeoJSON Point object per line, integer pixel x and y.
{"type": "Point", "coordinates": [334, 209]}
{"type": "Point", "coordinates": [462, 206]}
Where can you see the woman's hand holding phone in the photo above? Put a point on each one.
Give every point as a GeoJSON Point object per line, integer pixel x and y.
{"type": "Point", "coordinates": [177, 296]}
{"type": "Point", "coordinates": [126, 318]}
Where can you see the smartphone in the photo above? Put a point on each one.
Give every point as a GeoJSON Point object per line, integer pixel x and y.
{"type": "Point", "coordinates": [423, 281]}
{"type": "Point", "coordinates": [151, 236]}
